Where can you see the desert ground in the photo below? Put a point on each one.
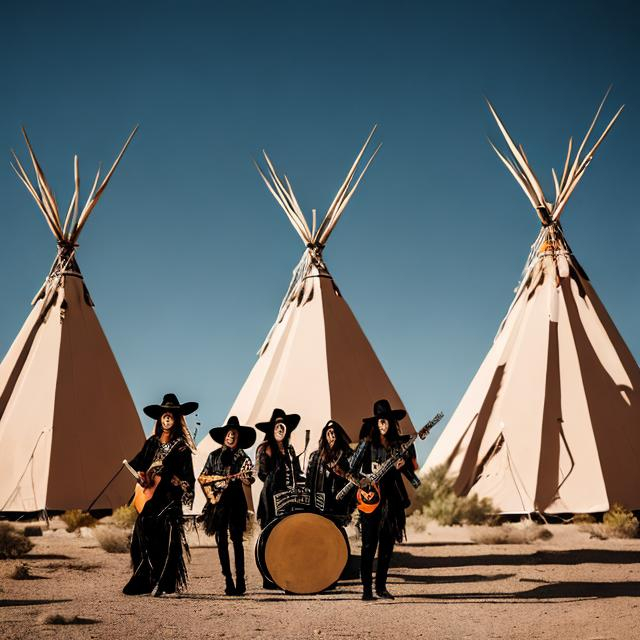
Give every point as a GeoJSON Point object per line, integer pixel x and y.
{"type": "Point", "coordinates": [570, 586]}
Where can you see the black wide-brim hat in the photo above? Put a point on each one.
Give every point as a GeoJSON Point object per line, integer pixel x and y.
{"type": "Point", "coordinates": [246, 435]}
{"type": "Point", "coordinates": [382, 409]}
{"type": "Point", "coordinates": [170, 403]}
{"type": "Point", "coordinates": [291, 420]}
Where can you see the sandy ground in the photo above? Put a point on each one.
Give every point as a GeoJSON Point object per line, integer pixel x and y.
{"type": "Point", "coordinates": [570, 586]}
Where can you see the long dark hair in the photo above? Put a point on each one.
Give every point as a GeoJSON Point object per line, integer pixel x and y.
{"type": "Point", "coordinates": [176, 430]}
{"type": "Point", "coordinates": [392, 436]}
{"type": "Point", "coordinates": [329, 454]}
{"type": "Point", "coordinates": [271, 442]}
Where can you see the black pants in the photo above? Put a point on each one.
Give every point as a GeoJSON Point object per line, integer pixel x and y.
{"type": "Point", "coordinates": [230, 525]}
{"type": "Point", "coordinates": [375, 533]}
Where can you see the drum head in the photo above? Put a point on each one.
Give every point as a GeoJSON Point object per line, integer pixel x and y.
{"type": "Point", "coordinates": [305, 553]}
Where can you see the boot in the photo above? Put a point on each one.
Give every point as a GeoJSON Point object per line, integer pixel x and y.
{"type": "Point", "coordinates": [367, 593]}
{"type": "Point", "coordinates": [230, 588]}
{"type": "Point", "coordinates": [238, 552]}
{"type": "Point", "coordinates": [223, 555]}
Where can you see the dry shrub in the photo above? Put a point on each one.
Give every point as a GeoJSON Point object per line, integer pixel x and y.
{"type": "Point", "coordinates": [13, 544]}
{"type": "Point", "coordinates": [21, 572]}
{"type": "Point", "coordinates": [113, 539]}
{"type": "Point", "coordinates": [76, 518]}
{"type": "Point", "coordinates": [124, 516]}
{"type": "Point", "coordinates": [417, 521]}
{"type": "Point", "coordinates": [59, 618]}
{"type": "Point", "coordinates": [436, 500]}
{"type": "Point", "coordinates": [524, 533]}
{"type": "Point", "coordinates": [583, 519]}
{"type": "Point", "coordinates": [619, 522]}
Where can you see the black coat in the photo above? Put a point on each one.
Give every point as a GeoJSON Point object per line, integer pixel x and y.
{"type": "Point", "coordinates": [328, 481]}
{"type": "Point", "coordinates": [231, 509]}
{"type": "Point", "coordinates": [393, 493]}
{"type": "Point", "coordinates": [278, 473]}
{"type": "Point", "coordinates": [158, 545]}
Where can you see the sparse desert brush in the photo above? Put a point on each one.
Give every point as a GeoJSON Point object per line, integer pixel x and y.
{"type": "Point", "coordinates": [436, 500]}
{"type": "Point", "coordinates": [619, 522]}
{"type": "Point", "coordinates": [21, 572]}
{"type": "Point", "coordinates": [417, 521]}
{"type": "Point", "coordinates": [113, 539]}
{"type": "Point", "coordinates": [60, 618]}
{"type": "Point", "coordinates": [524, 533]}
{"type": "Point", "coordinates": [583, 518]}
{"type": "Point", "coordinates": [124, 516]}
{"type": "Point", "coordinates": [13, 544]}
{"type": "Point", "coordinates": [76, 518]}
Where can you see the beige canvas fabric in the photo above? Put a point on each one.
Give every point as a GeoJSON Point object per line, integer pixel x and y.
{"type": "Point", "coordinates": [316, 361]}
{"type": "Point", "coordinates": [67, 419]}
{"type": "Point", "coordinates": [551, 421]}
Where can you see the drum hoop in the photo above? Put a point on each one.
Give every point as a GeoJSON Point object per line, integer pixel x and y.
{"type": "Point", "coordinates": [260, 548]}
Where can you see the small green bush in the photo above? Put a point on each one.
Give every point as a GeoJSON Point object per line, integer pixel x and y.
{"type": "Point", "coordinates": [619, 522]}
{"type": "Point", "coordinates": [13, 544]}
{"type": "Point", "coordinates": [437, 500]}
{"type": "Point", "coordinates": [113, 539]}
{"type": "Point", "coordinates": [124, 516]}
{"type": "Point", "coordinates": [76, 518]}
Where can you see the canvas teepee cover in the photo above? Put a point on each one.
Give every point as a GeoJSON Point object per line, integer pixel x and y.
{"type": "Point", "coordinates": [66, 417]}
{"type": "Point", "coordinates": [551, 421]}
{"type": "Point", "coordinates": [316, 360]}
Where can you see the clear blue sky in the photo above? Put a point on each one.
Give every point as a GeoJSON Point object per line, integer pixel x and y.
{"type": "Point", "coordinates": [187, 256]}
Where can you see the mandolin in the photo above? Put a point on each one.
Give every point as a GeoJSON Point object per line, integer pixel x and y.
{"type": "Point", "coordinates": [214, 486]}
{"type": "Point", "coordinates": [142, 494]}
{"type": "Point", "coordinates": [369, 499]}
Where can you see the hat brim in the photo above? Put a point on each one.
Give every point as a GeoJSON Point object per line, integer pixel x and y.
{"type": "Point", "coordinates": [394, 414]}
{"type": "Point", "coordinates": [246, 435]}
{"type": "Point", "coordinates": [156, 411]}
{"type": "Point", "coordinates": [291, 420]}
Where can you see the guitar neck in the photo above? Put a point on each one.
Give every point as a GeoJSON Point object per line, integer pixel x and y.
{"type": "Point", "coordinates": [405, 446]}
{"type": "Point", "coordinates": [131, 470]}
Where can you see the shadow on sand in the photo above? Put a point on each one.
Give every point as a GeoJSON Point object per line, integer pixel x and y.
{"type": "Point", "coordinates": [570, 557]}
{"type": "Point", "coordinates": [552, 591]}
{"type": "Point", "coordinates": [28, 603]}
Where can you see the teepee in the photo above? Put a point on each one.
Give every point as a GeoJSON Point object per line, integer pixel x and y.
{"type": "Point", "coordinates": [67, 419]}
{"type": "Point", "coordinates": [316, 360]}
{"type": "Point", "coordinates": [551, 420]}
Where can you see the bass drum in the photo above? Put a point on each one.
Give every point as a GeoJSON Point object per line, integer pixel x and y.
{"type": "Point", "coordinates": [302, 552]}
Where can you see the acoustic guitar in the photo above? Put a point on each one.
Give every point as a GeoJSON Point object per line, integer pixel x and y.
{"type": "Point", "coordinates": [142, 494]}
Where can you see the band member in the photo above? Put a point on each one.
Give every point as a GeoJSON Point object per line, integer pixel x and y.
{"type": "Point", "coordinates": [277, 464]}
{"type": "Point", "coordinates": [158, 545]}
{"type": "Point", "coordinates": [329, 471]}
{"type": "Point", "coordinates": [385, 525]}
{"type": "Point", "coordinates": [225, 512]}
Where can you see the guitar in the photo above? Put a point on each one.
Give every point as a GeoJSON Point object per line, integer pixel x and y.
{"type": "Point", "coordinates": [214, 486]}
{"type": "Point", "coordinates": [368, 500]}
{"type": "Point", "coordinates": [142, 494]}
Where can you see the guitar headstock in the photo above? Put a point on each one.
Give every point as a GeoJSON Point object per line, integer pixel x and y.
{"type": "Point", "coordinates": [424, 432]}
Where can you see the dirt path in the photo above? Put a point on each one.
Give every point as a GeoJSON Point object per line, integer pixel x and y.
{"type": "Point", "coordinates": [568, 587]}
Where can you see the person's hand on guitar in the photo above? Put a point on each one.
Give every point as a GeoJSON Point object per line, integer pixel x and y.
{"type": "Point", "coordinates": [220, 485]}
{"type": "Point", "coordinates": [399, 463]}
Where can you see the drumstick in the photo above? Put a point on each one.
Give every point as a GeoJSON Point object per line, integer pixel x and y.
{"type": "Point", "coordinates": [307, 437]}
